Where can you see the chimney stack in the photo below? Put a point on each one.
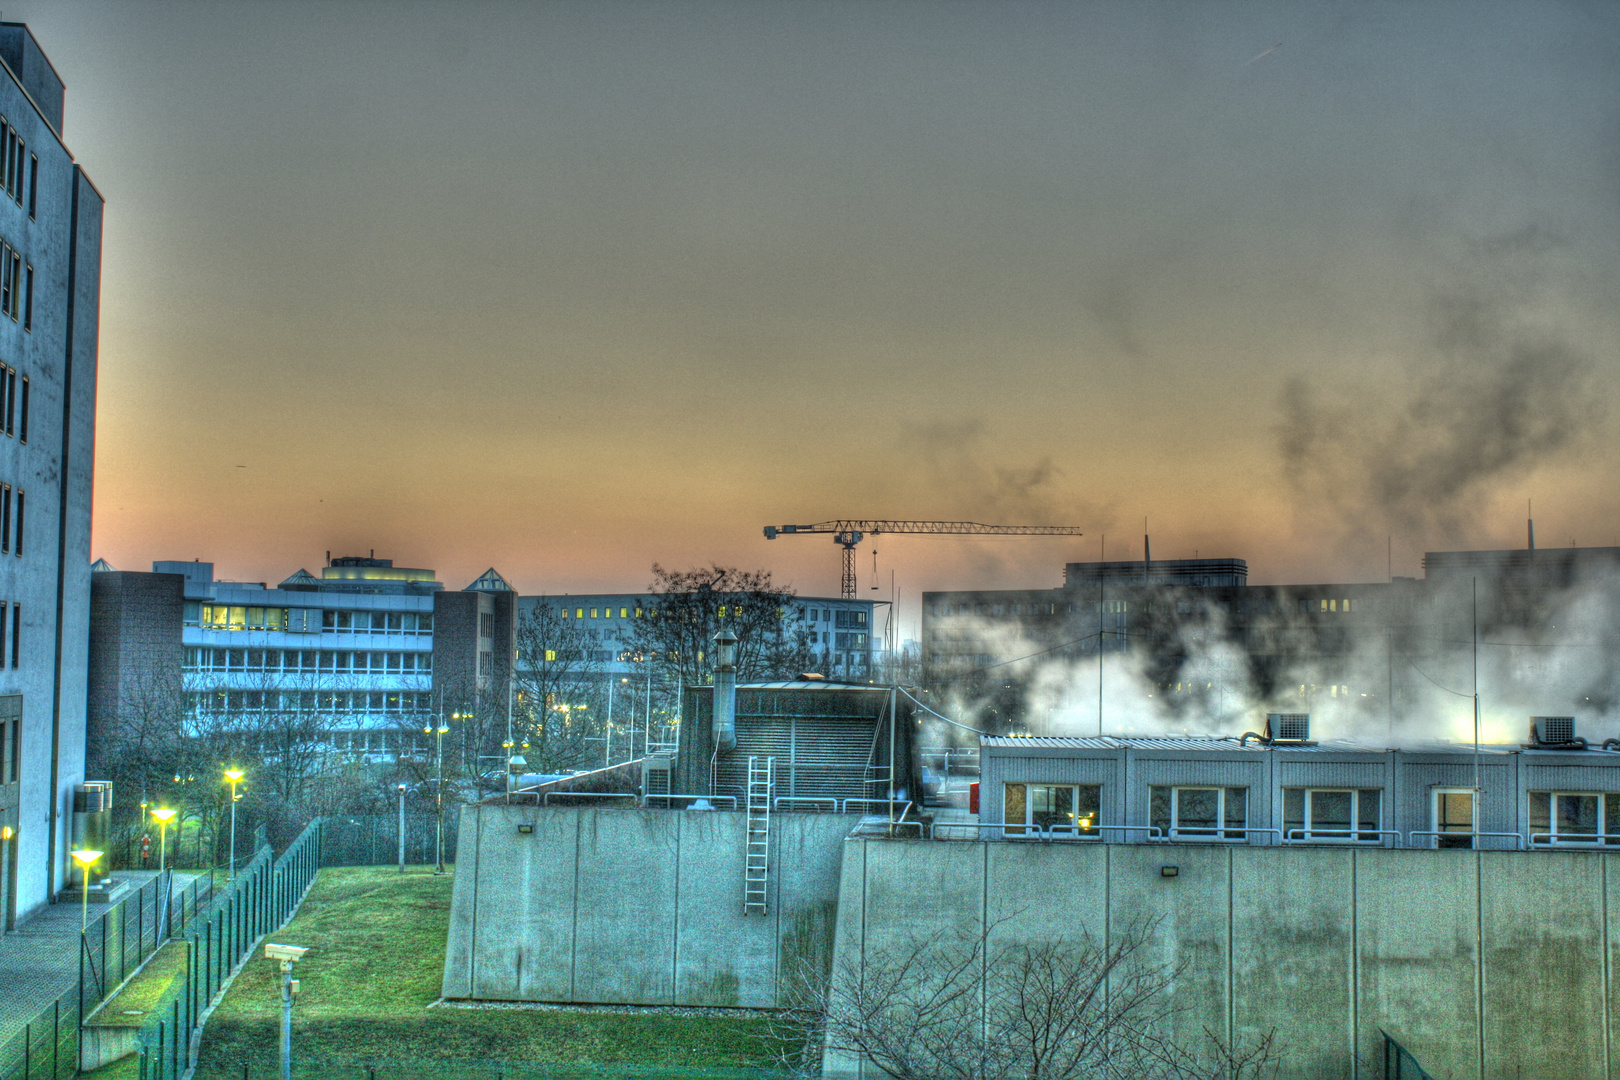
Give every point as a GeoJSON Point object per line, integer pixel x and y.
{"type": "Point", "coordinates": [725, 690]}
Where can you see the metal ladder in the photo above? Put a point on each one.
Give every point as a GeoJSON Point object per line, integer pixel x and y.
{"type": "Point", "coordinates": [757, 855]}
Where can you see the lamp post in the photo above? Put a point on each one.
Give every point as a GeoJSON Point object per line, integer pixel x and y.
{"type": "Point", "coordinates": [402, 828]}
{"type": "Point", "coordinates": [163, 819]}
{"type": "Point", "coordinates": [84, 859]}
{"type": "Point", "coordinates": [233, 777]}
{"type": "Point", "coordinates": [438, 792]}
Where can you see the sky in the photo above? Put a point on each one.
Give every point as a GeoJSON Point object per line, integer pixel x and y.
{"type": "Point", "coordinates": [570, 289]}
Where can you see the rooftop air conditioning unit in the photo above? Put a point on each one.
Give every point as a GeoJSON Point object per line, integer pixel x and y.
{"type": "Point", "coordinates": [1552, 730]}
{"type": "Point", "coordinates": [1286, 727]}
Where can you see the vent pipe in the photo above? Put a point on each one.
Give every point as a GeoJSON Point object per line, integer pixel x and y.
{"type": "Point", "coordinates": [725, 690]}
{"type": "Point", "coordinates": [1147, 558]}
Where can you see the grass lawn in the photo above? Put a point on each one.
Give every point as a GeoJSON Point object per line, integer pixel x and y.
{"type": "Point", "coordinates": [378, 957]}
{"type": "Point", "coordinates": [130, 1006]}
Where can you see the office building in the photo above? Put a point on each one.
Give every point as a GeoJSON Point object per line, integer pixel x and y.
{"type": "Point", "coordinates": [50, 288]}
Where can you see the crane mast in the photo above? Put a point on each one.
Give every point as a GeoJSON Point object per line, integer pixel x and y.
{"type": "Point", "coordinates": [849, 532]}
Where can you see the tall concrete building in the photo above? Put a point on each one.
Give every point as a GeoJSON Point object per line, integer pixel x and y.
{"type": "Point", "coordinates": [50, 295]}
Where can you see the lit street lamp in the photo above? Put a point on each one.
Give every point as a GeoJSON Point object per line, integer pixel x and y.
{"type": "Point", "coordinates": [402, 828]}
{"type": "Point", "coordinates": [438, 793]}
{"type": "Point", "coordinates": [84, 859]}
{"type": "Point", "coordinates": [233, 777]}
{"type": "Point", "coordinates": [163, 819]}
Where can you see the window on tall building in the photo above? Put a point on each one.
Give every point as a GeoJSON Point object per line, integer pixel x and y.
{"type": "Point", "coordinates": [16, 635]}
{"type": "Point", "coordinates": [33, 186]}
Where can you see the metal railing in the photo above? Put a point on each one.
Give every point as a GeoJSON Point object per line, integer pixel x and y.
{"type": "Point", "coordinates": [1518, 838]}
{"type": "Point", "coordinates": [632, 796]}
{"type": "Point", "coordinates": [647, 800]}
{"type": "Point", "coordinates": [808, 803]}
{"type": "Point", "coordinates": [1341, 836]}
{"type": "Point", "coordinates": [220, 938]}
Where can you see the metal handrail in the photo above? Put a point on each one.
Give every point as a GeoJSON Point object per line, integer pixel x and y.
{"type": "Point", "coordinates": [780, 799]}
{"type": "Point", "coordinates": [1216, 835]}
{"type": "Point", "coordinates": [1580, 839]}
{"type": "Point", "coordinates": [868, 803]}
{"type": "Point", "coordinates": [632, 796]}
{"type": "Point", "coordinates": [732, 799]}
{"type": "Point", "coordinates": [1048, 833]}
{"type": "Point", "coordinates": [1519, 837]}
{"type": "Point", "coordinates": [1353, 836]}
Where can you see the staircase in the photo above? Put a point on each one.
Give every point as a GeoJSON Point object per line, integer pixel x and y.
{"type": "Point", "coordinates": [757, 857]}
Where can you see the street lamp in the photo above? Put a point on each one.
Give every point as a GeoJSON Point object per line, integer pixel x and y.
{"type": "Point", "coordinates": [438, 793]}
{"type": "Point", "coordinates": [402, 828]}
{"type": "Point", "coordinates": [163, 819]}
{"type": "Point", "coordinates": [233, 777]}
{"type": "Point", "coordinates": [84, 859]}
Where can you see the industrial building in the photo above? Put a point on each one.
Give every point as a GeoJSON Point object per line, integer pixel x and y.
{"type": "Point", "coordinates": [371, 647]}
{"type": "Point", "coordinates": [1279, 787]}
{"type": "Point", "coordinates": [50, 289]}
{"type": "Point", "coordinates": [1204, 643]}
{"type": "Point", "coordinates": [840, 630]}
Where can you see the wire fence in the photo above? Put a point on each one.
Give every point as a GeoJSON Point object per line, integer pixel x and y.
{"type": "Point", "coordinates": [218, 939]}
{"type": "Point", "coordinates": [122, 938]}
{"type": "Point", "coordinates": [270, 1068]}
{"type": "Point", "coordinates": [373, 840]}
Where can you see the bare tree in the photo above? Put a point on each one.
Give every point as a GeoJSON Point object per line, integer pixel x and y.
{"type": "Point", "coordinates": [692, 606]}
{"type": "Point", "coordinates": [556, 670]}
{"type": "Point", "coordinates": [968, 1009]}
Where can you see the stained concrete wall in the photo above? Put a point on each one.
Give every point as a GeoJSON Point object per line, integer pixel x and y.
{"type": "Point", "coordinates": [1493, 964]}
{"type": "Point", "coordinates": [625, 906]}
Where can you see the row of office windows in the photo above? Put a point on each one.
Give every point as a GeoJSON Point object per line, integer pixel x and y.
{"type": "Point", "coordinates": [16, 287]}
{"type": "Point", "coordinates": [11, 520]}
{"type": "Point", "coordinates": [841, 618]}
{"type": "Point", "coordinates": [306, 620]}
{"type": "Point", "coordinates": [308, 660]}
{"type": "Point", "coordinates": [1318, 815]}
{"type": "Point", "coordinates": [21, 174]}
{"type": "Point", "coordinates": [13, 404]}
{"type": "Point", "coordinates": [309, 701]}
{"type": "Point", "coordinates": [11, 650]}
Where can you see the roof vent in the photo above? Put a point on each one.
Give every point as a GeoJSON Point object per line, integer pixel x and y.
{"type": "Point", "coordinates": [1284, 727]}
{"type": "Point", "coordinates": [1554, 732]}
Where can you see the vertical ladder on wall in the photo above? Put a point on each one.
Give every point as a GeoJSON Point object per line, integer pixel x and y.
{"type": "Point", "coordinates": [757, 857]}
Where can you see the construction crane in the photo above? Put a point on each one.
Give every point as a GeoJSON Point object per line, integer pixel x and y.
{"type": "Point", "coordinates": [847, 533]}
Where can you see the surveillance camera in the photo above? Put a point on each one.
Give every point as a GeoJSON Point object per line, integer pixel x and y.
{"type": "Point", "coordinates": [273, 951]}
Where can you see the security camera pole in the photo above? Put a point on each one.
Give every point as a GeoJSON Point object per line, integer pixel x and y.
{"type": "Point", "coordinates": [288, 955]}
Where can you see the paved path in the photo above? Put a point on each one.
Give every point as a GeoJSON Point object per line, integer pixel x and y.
{"type": "Point", "coordinates": [39, 962]}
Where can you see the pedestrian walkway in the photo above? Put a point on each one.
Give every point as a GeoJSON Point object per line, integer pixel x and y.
{"type": "Point", "coordinates": [39, 962]}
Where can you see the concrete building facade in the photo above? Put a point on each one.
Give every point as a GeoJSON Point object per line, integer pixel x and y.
{"type": "Point", "coordinates": [50, 287]}
{"type": "Point", "coordinates": [375, 649]}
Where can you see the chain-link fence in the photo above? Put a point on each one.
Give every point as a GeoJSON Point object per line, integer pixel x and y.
{"type": "Point", "coordinates": [117, 943]}
{"type": "Point", "coordinates": [219, 938]}
{"type": "Point", "coordinates": [373, 840]}
{"type": "Point", "coordinates": [269, 1069]}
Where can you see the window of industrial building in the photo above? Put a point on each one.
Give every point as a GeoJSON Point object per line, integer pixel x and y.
{"type": "Point", "coordinates": [1332, 814]}
{"type": "Point", "coordinates": [1566, 817]}
{"type": "Point", "coordinates": [16, 635]}
{"type": "Point", "coordinates": [1454, 813]}
{"type": "Point", "coordinates": [15, 756]}
{"type": "Point", "coordinates": [28, 299]}
{"type": "Point", "coordinates": [1199, 813]}
{"type": "Point", "coordinates": [33, 186]}
{"type": "Point", "coordinates": [1067, 809]}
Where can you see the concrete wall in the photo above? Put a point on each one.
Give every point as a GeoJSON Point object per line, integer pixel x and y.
{"type": "Point", "coordinates": [1493, 964]}
{"type": "Point", "coordinates": [638, 907]}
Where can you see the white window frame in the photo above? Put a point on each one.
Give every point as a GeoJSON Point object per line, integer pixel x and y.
{"type": "Point", "coordinates": [1354, 835]}
{"type": "Point", "coordinates": [1552, 838]}
{"type": "Point", "coordinates": [1216, 835]}
{"type": "Point", "coordinates": [1029, 830]}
